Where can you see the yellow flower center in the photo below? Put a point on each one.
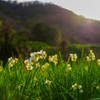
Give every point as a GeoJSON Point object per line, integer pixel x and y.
{"type": "Point", "coordinates": [29, 68]}
{"type": "Point", "coordinates": [32, 61]}
{"type": "Point", "coordinates": [45, 55]}
{"type": "Point", "coordinates": [36, 55]}
{"type": "Point", "coordinates": [26, 63]}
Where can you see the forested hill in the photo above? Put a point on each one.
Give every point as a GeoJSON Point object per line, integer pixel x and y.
{"type": "Point", "coordinates": [74, 28]}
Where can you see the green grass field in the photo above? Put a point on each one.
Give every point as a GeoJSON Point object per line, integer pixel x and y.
{"type": "Point", "coordinates": [51, 78]}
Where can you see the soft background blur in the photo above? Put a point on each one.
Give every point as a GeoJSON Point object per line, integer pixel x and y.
{"type": "Point", "coordinates": [31, 26]}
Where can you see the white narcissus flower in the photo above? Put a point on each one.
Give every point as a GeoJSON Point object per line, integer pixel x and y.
{"type": "Point", "coordinates": [88, 58]}
{"type": "Point", "coordinates": [70, 68]}
{"type": "Point", "coordinates": [55, 62]}
{"type": "Point", "coordinates": [74, 87]}
{"type": "Point", "coordinates": [53, 59]}
{"type": "Point", "coordinates": [98, 61]}
{"type": "Point", "coordinates": [35, 56]}
{"type": "Point", "coordinates": [75, 84]}
{"type": "Point", "coordinates": [73, 57]}
{"type": "Point", "coordinates": [37, 65]}
{"type": "Point", "coordinates": [48, 82]}
{"type": "Point", "coordinates": [13, 62]}
{"type": "Point", "coordinates": [68, 65]}
{"type": "Point", "coordinates": [81, 91]}
{"type": "Point", "coordinates": [10, 65]}
{"type": "Point", "coordinates": [91, 51]}
{"type": "Point", "coordinates": [97, 87]}
{"type": "Point", "coordinates": [27, 62]}
{"type": "Point", "coordinates": [29, 67]}
{"type": "Point", "coordinates": [91, 56]}
{"type": "Point", "coordinates": [16, 60]}
{"type": "Point", "coordinates": [10, 59]}
{"type": "Point", "coordinates": [31, 54]}
{"type": "Point", "coordinates": [32, 60]}
{"type": "Point", "coordinates": [50, 59]}
{"type": "Point", "coordinates": [43, 54]}
{"type": "Point", "coordinates": [40, 54]}
{"type": "Point", "coordinates": [80, 87]}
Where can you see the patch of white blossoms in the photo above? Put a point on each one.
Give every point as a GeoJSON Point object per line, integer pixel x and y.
{"type": "Point", "coordinates": [34, 59]}
{"type": "Point", "coordinates": [68, 67]}
{"type": "Point", "coordinates": [91, 56]}
{"type": "Point", "coordinates": [53, 59]}
{"type": "Point", "coordinates": [79, 87]}
{"type": "Point", "coordinates": [11, 61]}
{"type": "Point", "coordinates": [73, 57]}
{"type": "Point", "coordinates": [48, 82]}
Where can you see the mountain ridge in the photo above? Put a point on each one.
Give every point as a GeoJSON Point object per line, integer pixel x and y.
{"type": "Point", "coordinates": [74, 27]}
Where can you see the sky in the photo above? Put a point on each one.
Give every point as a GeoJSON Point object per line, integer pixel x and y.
{"type": "Point", "coordinates": [87, 8]}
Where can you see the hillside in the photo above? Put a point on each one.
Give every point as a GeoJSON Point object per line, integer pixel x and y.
{"type": "Point", "coordinates": [74, 28]}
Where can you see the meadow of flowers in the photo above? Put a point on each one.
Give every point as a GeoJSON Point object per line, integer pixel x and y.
{"type": "Point", "coordinates": [43, 77]}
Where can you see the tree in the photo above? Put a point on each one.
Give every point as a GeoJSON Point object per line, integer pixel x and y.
{"type": "Point", "coordinates": [6, 37]}
{"type": "Point", "coordinates": [46, 33]}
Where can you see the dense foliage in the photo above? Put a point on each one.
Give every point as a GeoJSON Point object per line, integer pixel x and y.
{"type": "Point", "coordinates": [48, 34]}
{"type": "Point", "coordinates": [50, 78]}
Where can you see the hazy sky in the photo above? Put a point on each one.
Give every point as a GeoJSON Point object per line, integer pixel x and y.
{"type": "Point", "coordinates": [87, 8]}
